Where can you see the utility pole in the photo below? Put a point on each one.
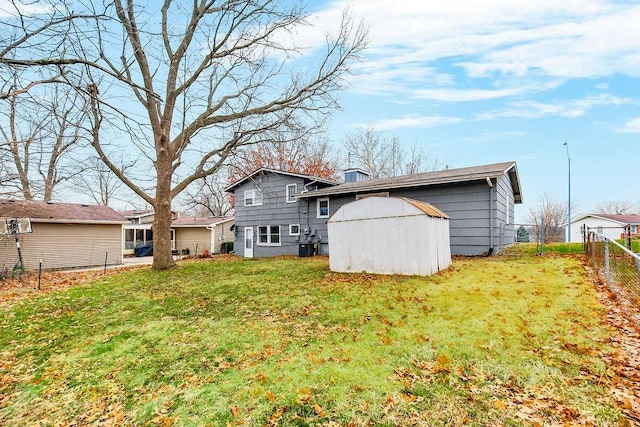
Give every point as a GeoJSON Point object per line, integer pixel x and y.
{"type": "Point", "coordinates": [566, 145]}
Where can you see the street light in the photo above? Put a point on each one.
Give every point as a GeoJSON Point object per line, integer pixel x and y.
{"type": "Point", "coordinates": [566, 145]}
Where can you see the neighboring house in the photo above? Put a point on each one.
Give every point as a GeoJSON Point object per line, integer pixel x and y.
{"type": "Point", "coordinates": [479, 201]}
{"type": "Point", "coordinates": [194, 236]}
{"type": "Point", "coordinates": [64, 235]}
{"type": "Point", "coordinates": [611, 226]}
{"type": "Point", "coordinates": [137, 232]}
{"type": "Point", "coordinates": [189, 235]}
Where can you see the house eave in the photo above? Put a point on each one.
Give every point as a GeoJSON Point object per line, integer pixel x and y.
{"type": "Point", "coordinates": [233, 186]}
{"type": "Point", "coordinates": [75, 221]}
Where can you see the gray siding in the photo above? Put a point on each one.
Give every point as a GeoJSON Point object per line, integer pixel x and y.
{"type": "Point", "coordinates": [505, 231]}
{"type": "Point", "coordinates": [274, 211]}
{"type": "Point", "coordinates": [467, 206]}
{"type": "Point", "coordinates": [471, 207]}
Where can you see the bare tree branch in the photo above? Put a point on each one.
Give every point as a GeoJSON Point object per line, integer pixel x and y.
{"type": "Point", "coordinates": [228, 71]}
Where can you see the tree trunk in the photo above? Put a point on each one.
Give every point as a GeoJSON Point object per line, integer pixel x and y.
{"type": "Point", "coordinates": [162, 256]}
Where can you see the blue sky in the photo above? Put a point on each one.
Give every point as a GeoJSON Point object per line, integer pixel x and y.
{"type": "Point", "coordinates": [499, 80]}
{"type": "Point", "coordinates": [492, 81]}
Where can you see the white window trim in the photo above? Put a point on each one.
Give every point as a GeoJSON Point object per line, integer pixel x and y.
{"type": "Point", "coordinates": [318, 207]}
{"type": "Point", "coordinates": [286, 193]}
{"type": "Point", "coordinates": [291, 233]}
{"type": "Point", "coordinates": [254, 195]}
{"type": "Point", "coordinates": [268, 243]}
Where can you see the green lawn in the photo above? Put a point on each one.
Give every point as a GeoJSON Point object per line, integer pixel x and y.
{"type": "Point", "coordinates": [503, 340]}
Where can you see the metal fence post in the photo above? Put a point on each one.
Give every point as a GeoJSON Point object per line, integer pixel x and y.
{"type": "Point", "coordinates": [607, 268]}
{"type": "Point", "coordinates": [542, 236]}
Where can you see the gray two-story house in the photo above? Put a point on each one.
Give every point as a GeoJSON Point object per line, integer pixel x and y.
{"type": "Point", "coordinates": [277, 211]}
{"type": "Point", "coordinates": [270, 217]}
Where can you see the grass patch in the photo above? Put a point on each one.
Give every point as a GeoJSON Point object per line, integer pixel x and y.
{"type": "Point", "coordinates": [287, 342]}
{"type": "Point", "coordinates": [557, 248]}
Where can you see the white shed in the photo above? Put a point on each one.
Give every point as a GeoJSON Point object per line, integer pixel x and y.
{"type": "Point", "coordinates": [389, 235]}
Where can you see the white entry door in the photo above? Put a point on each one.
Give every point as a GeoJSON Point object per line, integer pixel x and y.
{"type": "Point", "coordinates": [248, 242]}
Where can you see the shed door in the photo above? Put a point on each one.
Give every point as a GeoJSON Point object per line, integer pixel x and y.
{"type": "Point", "coordinates": [248, 242]}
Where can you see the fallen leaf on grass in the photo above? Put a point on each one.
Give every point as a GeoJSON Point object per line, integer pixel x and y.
{"type": "Point", "coordinates": [499, 404]}
{"type": "Point", "coordinates": [274, 419]}
{"type": "Point", "coordinates": [235, 411]}
{"type": "Point", "coordinates": [409, 397]}
{"type": "Point", "coordinates": [318, 410]}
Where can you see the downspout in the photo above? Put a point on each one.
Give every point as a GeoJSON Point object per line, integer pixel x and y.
{"type": "Point", "coordinates": [307, 236]}
{"type": "Point", "coordinates": [491, 219]}
{"type": "Point", "coordinates": [212, 245]}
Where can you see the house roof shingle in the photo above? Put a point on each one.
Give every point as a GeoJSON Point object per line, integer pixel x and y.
{"type": "Point", "coordinates": [137, 213]}
{"type": "Point", "coordinates": [199, 221]}
{"type": "Point", "coordinates": [450, 176]}
{"type": "Point", "coordinates": [632, 219]}
{"type": "Point", "coordinates": [59, 212]}
{"type": "Point", "coordinates": [262, 170]}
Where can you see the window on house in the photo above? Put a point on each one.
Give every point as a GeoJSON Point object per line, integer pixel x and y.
{"type": "Point", "coordinates": [129, 243]}
{"type": "Point", "coordinates": [294, 229]}
{"type": "Point", "coordinates": [252, 197]}
{"type": "Point", "coordinates": [323, 208]}
{"type": "Point", "coordinates": [269, 235]}
{"type": "Point", "coordinates": [599, 230]}
{"type": "Point", "coordinates": [634, 229]}
{"type": "Point", "coordinates": [292, 189]}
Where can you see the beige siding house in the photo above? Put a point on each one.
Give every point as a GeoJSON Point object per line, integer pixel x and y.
{"type": "Point", "coordinates": [64, 235]}
{"type": "Point", "coordinates": [189, 235]}
{"type": "Point", "coordinates": [194, 236]}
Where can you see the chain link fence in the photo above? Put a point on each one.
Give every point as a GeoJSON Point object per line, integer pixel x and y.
{"type": "Point", "coordinates": [538, 234]}
{"type": "Point", "coordinates": [617, 266]}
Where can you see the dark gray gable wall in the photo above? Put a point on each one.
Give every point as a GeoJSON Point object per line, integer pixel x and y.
{"type": "Point", "coordinates": [274, 211]}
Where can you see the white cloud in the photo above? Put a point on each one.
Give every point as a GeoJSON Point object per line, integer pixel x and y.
{"type": "Point", "coordinates": [7, 9]}
{"type": "Point", "coordinates": [570, 109]}
{"type": "Point", "coordinates": [631, 126]}
{"type": "Point", "coordinates": [409, 122]}
{"type": "Point", "coordinates": [493, 40]}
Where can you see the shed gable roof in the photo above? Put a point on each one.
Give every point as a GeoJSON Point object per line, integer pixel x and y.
{"type": "Point", "coordinates": [59, 212]}
{"type": "Point", "coordinates": [385, 207]}
{"type": "Point", "coordinates": [450, 176]}
{"type": "Point", "coordinates": [199, 221]}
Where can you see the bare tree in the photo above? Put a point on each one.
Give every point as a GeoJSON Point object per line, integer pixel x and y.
{"type": "Point", "coordinates": [8, 179]}
{"type": "Point", "coordinates": [553, 215]}
{"type": "Point", "coordinates": [313, 157]}
{"type": "Point", "coordinates": [100, 183]}
{"type": "Point", "coordinates": [185, 85]}
{"type": "Point", "coordinates": [291, 154]}
{"type": "Point", "coordinates": [615, 207]}
{"type": "Point", "coordinates": [383, 156]}
{"type": "Point", "coordinates": [206, 197]}
{"type": "Point", "coordinates": [39, 134]}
